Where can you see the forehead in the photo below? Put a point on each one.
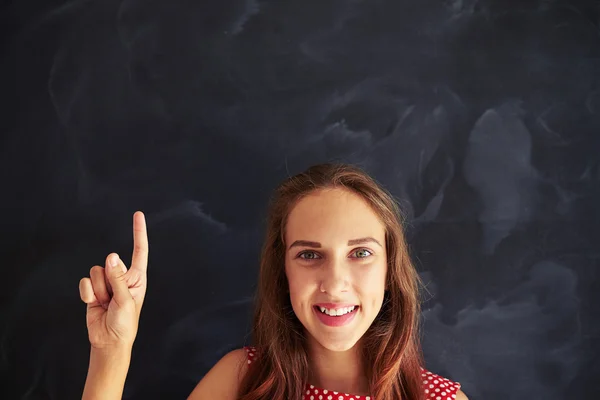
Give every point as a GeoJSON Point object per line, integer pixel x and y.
{"type": "Point", "coordinates": [333, 215]}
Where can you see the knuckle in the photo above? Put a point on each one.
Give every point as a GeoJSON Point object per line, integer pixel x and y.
{"type": "Point", "coordinates": [120, 277]}
{"type": "Point", "coordinates": [139, 248]}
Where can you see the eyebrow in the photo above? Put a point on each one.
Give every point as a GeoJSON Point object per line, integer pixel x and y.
{"type": "Point", "coordinates": [352, 242]}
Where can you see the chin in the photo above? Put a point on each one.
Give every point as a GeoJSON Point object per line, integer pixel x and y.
{"type": "Point", "coordinates": [340, 346]}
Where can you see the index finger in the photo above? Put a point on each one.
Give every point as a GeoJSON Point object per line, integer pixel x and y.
{"type": "Point", "coordinates": [139, 259]}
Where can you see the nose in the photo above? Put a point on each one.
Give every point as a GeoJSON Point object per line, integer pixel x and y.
{"type": "Point", "coordinates": [334, 278]}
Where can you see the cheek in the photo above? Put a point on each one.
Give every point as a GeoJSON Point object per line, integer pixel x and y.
{"type": "Point", "coordinates": [299, 284]}
{"type": "Point", "coordinates": [372, 280]}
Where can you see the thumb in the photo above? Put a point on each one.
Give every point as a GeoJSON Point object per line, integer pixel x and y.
{"type": "Point", "coordinates": [116, 278]}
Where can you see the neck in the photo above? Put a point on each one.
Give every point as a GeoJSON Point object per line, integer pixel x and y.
{"type": "Point", "coordinates": [339, 371]}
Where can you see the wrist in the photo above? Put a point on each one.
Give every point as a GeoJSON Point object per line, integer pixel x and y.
{"type": "Point", "coordinates": [118, 351]}
{"type": "Point", "coordinates": [112, 361]}
{"type": "Point", "coordinates": [107, 373]}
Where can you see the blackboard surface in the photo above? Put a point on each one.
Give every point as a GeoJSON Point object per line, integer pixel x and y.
{"type": "Point", "coordinates": [482, 117]}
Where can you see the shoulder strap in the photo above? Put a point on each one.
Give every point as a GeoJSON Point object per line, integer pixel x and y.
{"type": "Point", "coordinates": [251, 352]}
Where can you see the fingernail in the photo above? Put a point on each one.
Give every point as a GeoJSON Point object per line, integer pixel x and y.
{"type": "Point", "coordinates": [114, 260]}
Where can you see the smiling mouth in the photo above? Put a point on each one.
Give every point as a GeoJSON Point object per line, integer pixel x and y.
{"type": "Point", "coordinates": [336, 312]}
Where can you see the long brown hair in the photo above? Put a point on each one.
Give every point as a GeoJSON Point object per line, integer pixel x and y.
{"type": "Point", "coordinates": [390, 345]}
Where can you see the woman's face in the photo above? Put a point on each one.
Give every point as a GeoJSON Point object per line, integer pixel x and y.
{"type": "Point", "coordinates": [336, 266]}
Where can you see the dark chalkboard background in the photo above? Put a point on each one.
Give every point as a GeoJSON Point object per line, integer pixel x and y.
{"type": "Point", "coordinates": [483, 117]}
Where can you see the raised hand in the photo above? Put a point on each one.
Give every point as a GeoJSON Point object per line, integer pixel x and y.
{"type": "Point", "coordinates": [114, 294]}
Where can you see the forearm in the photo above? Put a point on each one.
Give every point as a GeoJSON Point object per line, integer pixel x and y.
{"type": "Point", "coordinates": [106, 374]}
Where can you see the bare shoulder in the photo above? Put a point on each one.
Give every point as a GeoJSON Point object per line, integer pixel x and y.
{"type": "Point", "coordinates": [223, 380]}
{"type": "Point", "coordinates": [461, 396]}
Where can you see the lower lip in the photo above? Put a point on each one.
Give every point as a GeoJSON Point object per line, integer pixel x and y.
{"type": "Point", "coordinates": [335, 321]}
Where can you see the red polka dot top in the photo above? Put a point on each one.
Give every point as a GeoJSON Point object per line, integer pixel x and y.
{"type": "Point", "coordinates": [435, 387]}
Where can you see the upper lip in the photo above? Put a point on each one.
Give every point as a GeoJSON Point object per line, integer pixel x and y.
{"type": "Point", "coordinates": [335, 305]}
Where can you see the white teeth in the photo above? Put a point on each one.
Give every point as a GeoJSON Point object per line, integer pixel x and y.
{"type": "Point", "coordinates": [336, 312]}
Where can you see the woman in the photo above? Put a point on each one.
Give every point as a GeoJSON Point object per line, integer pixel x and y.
{"type": "Point", "coordinates": [336, 310]}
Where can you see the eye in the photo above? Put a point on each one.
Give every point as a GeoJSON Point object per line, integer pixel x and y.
{"type": "Point", "coordinates": [308, 255]}
{"type": "Point", "coordinates": [362, 253]}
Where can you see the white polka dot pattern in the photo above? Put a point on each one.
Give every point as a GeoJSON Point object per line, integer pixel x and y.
{"type": "Point", "coordinates": [435, 387]}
